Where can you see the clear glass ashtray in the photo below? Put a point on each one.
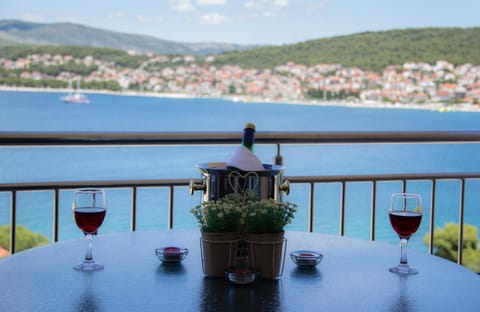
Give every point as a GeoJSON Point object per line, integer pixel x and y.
{"type": "Point", "coordinates": [241, 275]}
{"type": "Point", "coordinates": [306, 258]}
{"type": "Point", "coordinates": [171, 254]}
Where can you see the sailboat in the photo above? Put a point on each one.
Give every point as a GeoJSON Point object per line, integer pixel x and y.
{"type": "Point", "coordinates": [76, 96]}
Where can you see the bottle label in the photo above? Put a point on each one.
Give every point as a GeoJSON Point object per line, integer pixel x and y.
{"type": "Point", "coordinates": [248, 138]}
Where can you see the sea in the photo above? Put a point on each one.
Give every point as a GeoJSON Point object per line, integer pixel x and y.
{"type": "Point", "coordinates": [22, 111]}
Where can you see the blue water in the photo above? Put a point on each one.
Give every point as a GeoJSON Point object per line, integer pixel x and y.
{"type": "Point", "coordinates": [37, 111]}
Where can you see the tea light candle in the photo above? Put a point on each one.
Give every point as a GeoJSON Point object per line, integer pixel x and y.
{"type": "Point", "coordinates": [241, 275]}
{"type": "Point", "coordinates": [306, 255]}
{"type": "Point", "coordinates": [306, 258]}
{"type": "Point", "coordinates": [242, 271]}
{"type": "Point", "coordinates": [172, 253]}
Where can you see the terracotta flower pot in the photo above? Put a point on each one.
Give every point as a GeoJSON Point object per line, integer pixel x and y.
{"type": "Point", "coordinates": [266, 252]}
{"type": "Point", "coordinates": [219, 251]}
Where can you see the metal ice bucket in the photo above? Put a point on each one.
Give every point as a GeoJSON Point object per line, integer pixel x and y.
{"type": "Point", "coordinates": [220, 180]}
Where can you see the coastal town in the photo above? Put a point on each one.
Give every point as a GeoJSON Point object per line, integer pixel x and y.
{"type": "Point", "coordinates": [443, 85]}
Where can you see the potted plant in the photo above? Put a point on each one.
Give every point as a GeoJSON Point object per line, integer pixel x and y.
{"type": "Point", "coordinates": [264, 223]}
{"type": "Point", "coordinates": [235, 217]}
{"type": "Point", "coordinates": [219, 223]}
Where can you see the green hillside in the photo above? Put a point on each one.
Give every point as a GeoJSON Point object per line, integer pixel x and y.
{"type": "Point", "coordinates": [370, 50]}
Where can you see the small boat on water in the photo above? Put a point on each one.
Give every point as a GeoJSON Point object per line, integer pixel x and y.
{"type": "Point", "coordinates": [76, 96]}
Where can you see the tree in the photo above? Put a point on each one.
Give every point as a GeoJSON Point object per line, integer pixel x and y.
{"type": "Point", "coordinates": [446, 244]}
{"type": "Point", "coordinates": [231, 89]}
{"type": "Point", "coordinates": [25, 238]}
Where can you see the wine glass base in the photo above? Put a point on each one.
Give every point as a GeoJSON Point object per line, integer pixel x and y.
{"type": "Point", "coordinates": [88, 266]}
{"type": "Point", "coordinates": [403, 269]}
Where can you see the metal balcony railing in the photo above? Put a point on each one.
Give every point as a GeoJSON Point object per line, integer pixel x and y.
{"type": "Point", "coordinates": [29, 140]}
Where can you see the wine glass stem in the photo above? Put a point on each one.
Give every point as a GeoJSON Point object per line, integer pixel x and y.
{"type": "Point", "coordinates": [403, 251]}
{"type": "Point", "coordinates": [88, 254]}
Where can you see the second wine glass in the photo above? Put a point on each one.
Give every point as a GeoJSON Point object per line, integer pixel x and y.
{"type": "Point", "coordinates": [89, 208]}
{"type": "Point", "coordinates": [405, 216]}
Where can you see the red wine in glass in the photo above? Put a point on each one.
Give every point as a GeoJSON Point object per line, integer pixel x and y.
{"type": "Point", "coordinates": [405, 216]}
{"type": "Point", "coordinates": [89, 219]}
{"type": "Point", "coordinates": [89, 208]}
{"type": "Point", "coordinates": [405, 223]}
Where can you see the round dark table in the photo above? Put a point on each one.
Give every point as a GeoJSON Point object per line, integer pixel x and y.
{"type": "Point", "coordinates": [353, 276]}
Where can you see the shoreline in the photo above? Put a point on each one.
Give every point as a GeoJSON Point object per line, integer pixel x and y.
{"type": "Point", "coordinates": [439, 107]}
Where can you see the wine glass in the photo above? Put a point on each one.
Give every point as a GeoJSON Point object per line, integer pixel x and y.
{"type": "Point", "coordinates": [89, 208]}
{"type": "Point", "coordinates": [405, 216]}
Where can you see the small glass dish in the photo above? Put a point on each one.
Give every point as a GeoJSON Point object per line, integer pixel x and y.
{"type": "Point", "coordinates": [306, 258]}
{"type": "Point", "coordinates": [241, 275]}
{"type": "Point", "coordinates": [171, 254]}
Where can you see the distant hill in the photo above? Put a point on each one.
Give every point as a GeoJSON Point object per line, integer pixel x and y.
{"type": "Point", "coordinates": [367, 50]}
{"type": "Point", "coordinates": [69, 34]}
{"type": "Point", "coordinates": [370, 50]}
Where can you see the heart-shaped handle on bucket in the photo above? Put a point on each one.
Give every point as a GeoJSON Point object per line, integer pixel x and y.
{"type": "Point", "coordinates": [234, 178]}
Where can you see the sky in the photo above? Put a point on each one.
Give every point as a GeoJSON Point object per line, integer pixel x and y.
{"type": "Point", "coordinates": [273, 22]}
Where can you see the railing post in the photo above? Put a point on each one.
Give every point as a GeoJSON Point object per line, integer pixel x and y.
{"type": "Point", "coordinates": [55, 214]}
{"type": "Point", "coordinates": [13, 222]}
{"type": "Point", "coordinates": [170, 207]}
{"type": "Point", "coordinates": [432, 216]}
{"type": "Point", "coordinates": [342, 210]}
{"type": "Point", "coordinates": [311, 207]}
{"type": "Point", "coordinates": [134, 209]}
{"type": "Point", "coordinates": [373, 211]}
{"type": "Point", "coordinates": [460, 222]}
